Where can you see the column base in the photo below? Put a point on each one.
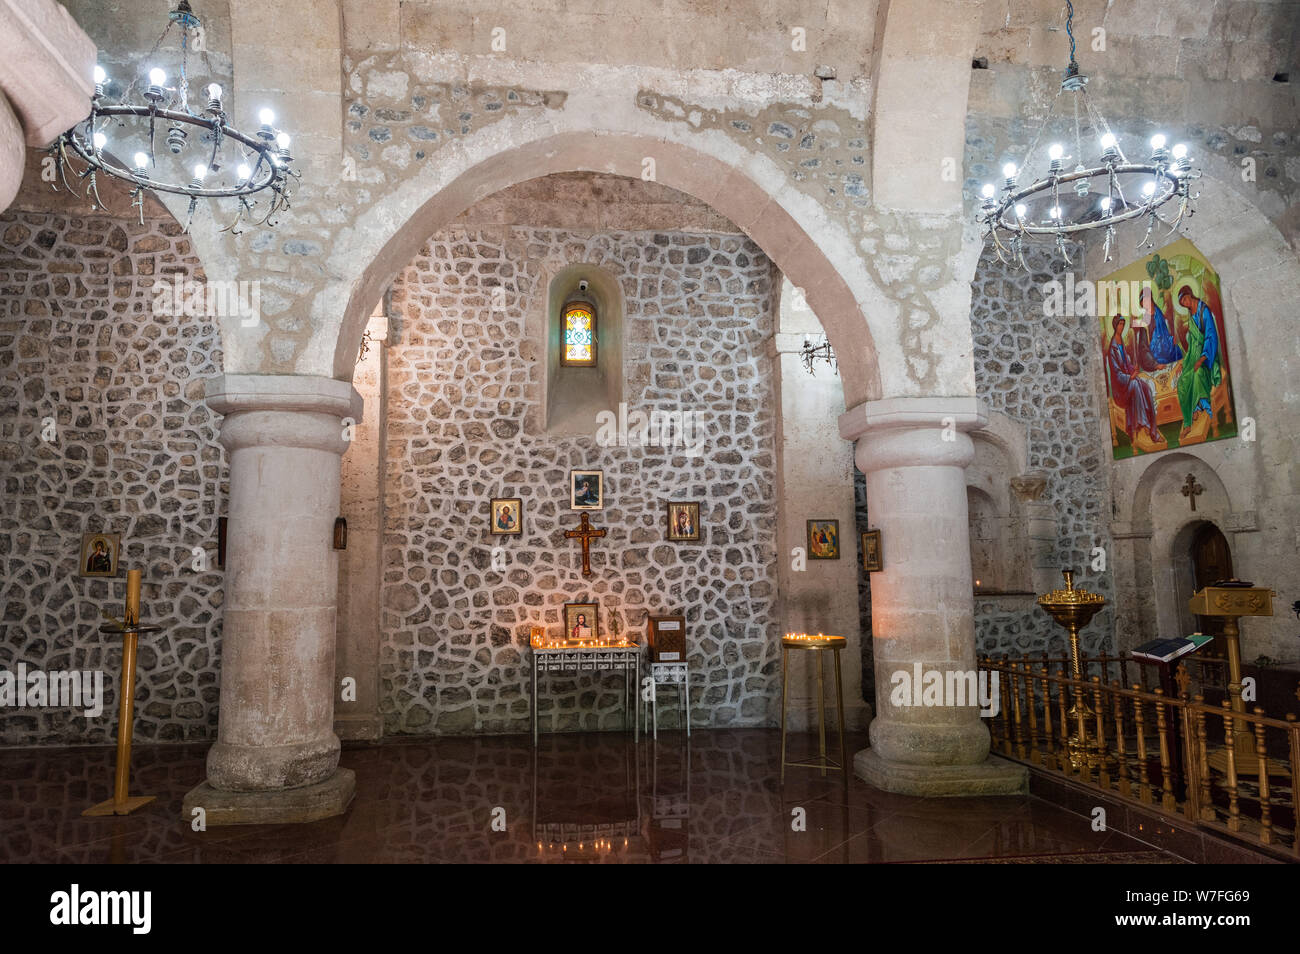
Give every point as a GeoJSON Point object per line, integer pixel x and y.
{"type": "Point", "coordinates": [993, 776]}
{"type": "Point", "coordinates": [284, 807]}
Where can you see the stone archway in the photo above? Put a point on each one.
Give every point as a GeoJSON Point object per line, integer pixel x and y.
{"type": "Point", "coordinates": [372, 252]}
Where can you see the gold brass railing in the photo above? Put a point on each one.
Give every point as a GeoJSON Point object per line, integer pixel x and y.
{"type": "Point", "coordinates": [1163, 750]}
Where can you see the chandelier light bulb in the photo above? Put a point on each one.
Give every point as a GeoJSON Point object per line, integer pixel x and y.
{"type": "Point", "coordinates": [141, 161]}
{"type": "Point", "coordinates": [1020, 210]}
{"type": "Point", "coordinates": [1009, 170]}
{"type": "Point", "coordinates": [244, 172]}
{"type": "Point", "coordinates": [1108, 141]}
{"type": "Point", "coordinates": [100, 75]}
{"type": "Point", "coordinates": [1055, 212]}
{"type": "Point", "coordinates": [1180, 151]}
{"type": "Point", "coordinates": [266, 116]}
{"type": "Point", "coordinates": [988, 190]}
{"type": "Point", "coordinates": [282, 140]}
{"type": "Point", "coordinates": [1158, 141]}
{"type": "Point", "coordinates": [200, 170]}
{"type": "Point", "coordinates": [100, 140]}
{"type": "Point", "coordinates": [157, 77]}
{"type": "Point", "coordinates": [1105, 203]}
{"type": "Point", "coordinates": [1149, 189]}
{"type": "Point", "coordinates": [214, 91]}
{"type": "Point", "coordinates": [1055, 152]}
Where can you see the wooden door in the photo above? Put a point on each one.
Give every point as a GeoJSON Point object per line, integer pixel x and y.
{"type": "Point", "coordinates": [1211, 563]}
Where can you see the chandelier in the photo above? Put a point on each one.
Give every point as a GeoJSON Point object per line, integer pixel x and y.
{"type": "Point", "coordinates": [205, 157]}
{"type": "Point", "coordinates": [1061, 201]}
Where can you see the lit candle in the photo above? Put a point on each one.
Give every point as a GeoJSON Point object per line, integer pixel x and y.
{"type": "Point", "coordinates": [132, 615]}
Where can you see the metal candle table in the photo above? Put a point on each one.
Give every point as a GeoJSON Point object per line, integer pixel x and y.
{"type": "Point", "coordinates": [582, 659]}
{"type": "Point", "coordinates": [818, 644]}
{"type": "Point", "coordinates": [669, 674]}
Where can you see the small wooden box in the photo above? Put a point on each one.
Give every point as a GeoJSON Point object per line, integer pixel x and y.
{"type": "Point", "coordinates": [667, 639]}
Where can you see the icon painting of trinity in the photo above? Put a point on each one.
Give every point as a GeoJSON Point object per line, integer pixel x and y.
{"type": "Point", "coordinates": [1165, 353]}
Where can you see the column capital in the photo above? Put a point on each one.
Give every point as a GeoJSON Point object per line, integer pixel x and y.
{"type": "Point", "coordinates": [967, 414]}
{"type": "Point", "coordinates": [913, 432]}
{"type": "Point", "coordinates": [285, 410]}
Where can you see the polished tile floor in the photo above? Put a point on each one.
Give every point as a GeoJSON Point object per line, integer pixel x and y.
{"type": "Point", "coordinates": [576, 798]}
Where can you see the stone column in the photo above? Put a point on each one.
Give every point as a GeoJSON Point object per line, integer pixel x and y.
{"type": "Point", "coordinates": [360, 566]}
{"type": "Point", "coordinates": [914, 452]}
{"type": "Point", "coordinates": [276, 755]}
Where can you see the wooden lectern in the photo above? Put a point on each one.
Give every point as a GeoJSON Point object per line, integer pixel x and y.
{"type": "Point", "coordinates": [1229, 601]}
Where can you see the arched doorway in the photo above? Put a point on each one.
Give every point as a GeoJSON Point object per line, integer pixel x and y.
{"type": "Point", "coordinates": [1211, 561]}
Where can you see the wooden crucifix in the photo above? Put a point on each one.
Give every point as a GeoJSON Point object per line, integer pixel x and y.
{"type": "Point", "coordinates": [586, 533]}
{"type": "Point", "coordinates": [1191, 490]}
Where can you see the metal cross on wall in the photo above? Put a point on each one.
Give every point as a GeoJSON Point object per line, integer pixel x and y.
{"type": "Point", "coordinates": [1191, 490]}
{"type": "Point", "coordinates": [586, 533]}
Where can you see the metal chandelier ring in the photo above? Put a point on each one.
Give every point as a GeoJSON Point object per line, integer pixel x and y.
{"type": "Point", "coordinates": [268, 157]}
{"type": "Point", "coordinates": [1167, 188]}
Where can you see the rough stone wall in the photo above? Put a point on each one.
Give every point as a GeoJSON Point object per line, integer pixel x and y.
{"type": "Point", "coordinates": [1037, 370]}
{"type": "Point", "coordinates": [466, 401]}
{"type": "Point", "coordinates": [134, 452]}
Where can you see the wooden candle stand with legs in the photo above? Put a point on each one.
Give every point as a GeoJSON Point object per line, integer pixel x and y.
{"type": "Point", "coordinates": [130, 629]}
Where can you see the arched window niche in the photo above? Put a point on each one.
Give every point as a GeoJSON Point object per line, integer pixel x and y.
{"type": "Point", "coordinates": [583, 377]}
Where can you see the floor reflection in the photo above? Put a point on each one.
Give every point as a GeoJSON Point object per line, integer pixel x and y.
{"type": "Point", "coordinates": [576, 798]}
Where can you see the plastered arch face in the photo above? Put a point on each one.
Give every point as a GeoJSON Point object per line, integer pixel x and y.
{"type": "Point", "coordinates": [375, 261]}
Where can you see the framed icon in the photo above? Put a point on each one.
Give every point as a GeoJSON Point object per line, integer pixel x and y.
{"type": "Point", "coordinates": [582, 621]}
{"type": "Point", "coordinates": [684, 521]}
{"type": "Point", "coordinates": [587, 489]}
{"type": "Point", "coordinates": [507, 516]}
{"type": "Point", "coordinates": [99, 554]}
{"type": "Point", "coordinates": [873, 561]}
{"type": "Point", "coordinates": [823, 539]}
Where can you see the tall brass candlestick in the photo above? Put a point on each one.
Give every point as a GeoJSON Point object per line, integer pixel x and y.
{"type": "Point", "coordinates": [1073, 608]}
{"type": "Point", "coordinates": [122, 803]}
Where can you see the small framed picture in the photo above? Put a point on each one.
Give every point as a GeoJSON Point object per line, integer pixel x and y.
{"type": "Point", "coordinates": [823, 539]}
{"type": "Point", "coordinates": [99, 554]}
{"type": "Point", "coordinates": [587, 489]}
{"type": "Point", "coordinates": [872, 559]}
{"type": "Point", "coordinates": [684, 520]}
{"type": "Point", "coordinates": [582, 621]}
{"type": "Point", "coordinates": [507, 515]}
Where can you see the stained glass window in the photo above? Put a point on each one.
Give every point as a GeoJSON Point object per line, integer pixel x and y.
{"type": "Point", "coordinates": [578, 346]}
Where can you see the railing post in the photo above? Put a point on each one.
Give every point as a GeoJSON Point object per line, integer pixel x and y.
{"type": "Point", "coordinates": [1234, 810]}
{"type": "Point", "coordinates": [1015, 704]}
{"type": "Point", "coordinates": [1049, 756]}
{"type": "Point", "coordinates": [1063, 753]}
{"type": "Point", "coordinates": [1034, 755]}
{"type": "Point", "coordinates": [1203, 757]}
{"type": "Point", "coordinates": [1103, 754]}
{"type": "Point", "coordinates": [1293, 741]}
{"type": "Point", "coordinates": [1122, 768]}
{"type": "Point", "coordinates": [1139, 720]}
{"type": "Point", "coordinates": [1265, 809]}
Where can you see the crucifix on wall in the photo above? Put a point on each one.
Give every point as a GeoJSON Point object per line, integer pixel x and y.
{"type": "Point", "coordinates": [1191, 490]}
{"type": "Point", "coordinates": [586, 533]}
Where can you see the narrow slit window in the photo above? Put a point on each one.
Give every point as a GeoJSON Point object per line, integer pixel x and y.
{"type": "Point", "coordinates": [578, 326]}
